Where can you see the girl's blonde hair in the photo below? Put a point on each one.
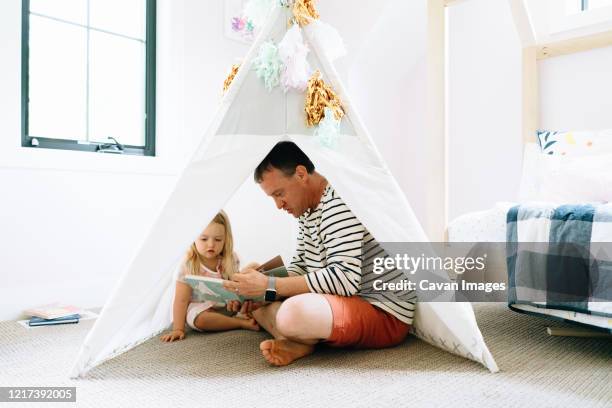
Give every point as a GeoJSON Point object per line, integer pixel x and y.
{"type": "Point", "coordinates": [228, 262]}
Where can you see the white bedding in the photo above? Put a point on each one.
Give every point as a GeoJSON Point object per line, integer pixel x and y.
{"type": "Point", "coordinates": [481, 226]}
{"type": "Point", "coordinates": [490, 226]}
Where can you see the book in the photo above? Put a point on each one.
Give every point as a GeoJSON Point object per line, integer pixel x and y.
{"type": "Point", "coordinates": [52, 311]}
{"type": "Point", "coordinates": [211, 289]}
{"type": "Point", "coordinates": [85, 315]}
{"type": "Point", "coordinates": [38, 321]}
{"type": "Point", "coordinates": [273, 263]}
{"type": "Point", "coordinates": [280, 272]}
{"type": "Point", "coordinates": [274, 267]}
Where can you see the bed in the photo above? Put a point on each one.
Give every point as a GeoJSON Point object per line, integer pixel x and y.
{"type": "Point", "coordinates": [534, 275]}
{"type": "Point", "coordinates": [557, 251]}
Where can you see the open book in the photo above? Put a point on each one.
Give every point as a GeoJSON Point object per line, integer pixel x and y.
{"type": "Point", "coordinates": [211, 289]}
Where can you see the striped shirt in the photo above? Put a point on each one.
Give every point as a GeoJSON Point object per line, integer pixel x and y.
{"type": "Point", "coordinates": [335, 253]}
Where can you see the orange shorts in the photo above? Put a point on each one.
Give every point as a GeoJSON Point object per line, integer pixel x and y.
{"type": "Point", "coordinates": [358, 324]}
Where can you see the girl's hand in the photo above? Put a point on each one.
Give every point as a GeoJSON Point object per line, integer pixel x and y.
{"type": "Point", "coordinates": [251, 265]}
{"type": "Point", "coordinates": [173, 335]}
{"type": "Point", "coordinates": [245, 308]}
{"type": "Point", "coordinates": [233, 306]}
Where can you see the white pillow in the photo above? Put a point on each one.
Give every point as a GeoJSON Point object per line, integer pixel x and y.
{"type": "Point", "coordinates": [566, 179]}
{"type": "Point", "coordinates": [576, 179]}
{"type": "Point", "coordinates": [575, 143]}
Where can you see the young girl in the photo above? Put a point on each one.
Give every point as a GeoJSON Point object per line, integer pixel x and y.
{"type": "Point", "coordinates": [210, 255]}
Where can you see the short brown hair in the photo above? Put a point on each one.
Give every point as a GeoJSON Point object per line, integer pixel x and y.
{"type": "Point", "coordinates": [285, 156]}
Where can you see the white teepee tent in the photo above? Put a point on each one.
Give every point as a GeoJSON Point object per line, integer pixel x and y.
{"type": "Point", "coordinates": [250, 121]}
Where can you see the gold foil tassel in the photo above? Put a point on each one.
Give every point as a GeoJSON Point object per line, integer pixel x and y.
{"type": "Point", "coordinates": [318, 96]}
{"type": "Point", "coordinates": [304, 12]}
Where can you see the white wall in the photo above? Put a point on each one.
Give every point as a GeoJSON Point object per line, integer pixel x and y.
{"type": "Point", "coordinates": [388, 84]}
{"type": "Point", "coordinates": [483, 105]}
{"type": "Point", "coordinates": [70, 222]}
{"type": "Point", "coordinates": [484, 97]}
{"type": "Point", "coordinates": [575, 91]}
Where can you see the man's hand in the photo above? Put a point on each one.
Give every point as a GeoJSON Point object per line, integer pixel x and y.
{"type": "Point", "coordinates": [248, 283]}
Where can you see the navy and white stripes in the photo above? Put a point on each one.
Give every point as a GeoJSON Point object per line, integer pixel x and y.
{"type": "Point", "coordinates": [336, 253]}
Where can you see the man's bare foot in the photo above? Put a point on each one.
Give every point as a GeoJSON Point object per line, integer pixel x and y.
{"type": "Point", "coordinates": [249, 324]}
{"type": "Point", "coordinates": [284, 352]}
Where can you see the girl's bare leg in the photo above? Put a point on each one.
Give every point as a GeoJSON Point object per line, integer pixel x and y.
{"type": "Point", "coordinates": [213, 321]}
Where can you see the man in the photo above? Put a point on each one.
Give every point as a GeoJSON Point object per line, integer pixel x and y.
{"type": "Point", "coordinates": [329, 293]}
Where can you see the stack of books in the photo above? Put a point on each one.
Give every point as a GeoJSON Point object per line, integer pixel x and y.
{"type": "Point", "coordinates": [53, 314]}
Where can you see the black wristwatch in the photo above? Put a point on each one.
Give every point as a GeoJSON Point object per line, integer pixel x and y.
{"type": "Point", "coordinates": [271, 291]}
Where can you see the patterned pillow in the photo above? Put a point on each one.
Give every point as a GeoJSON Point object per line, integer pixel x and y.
{"type": "Point", "coordinates": [575, 143]}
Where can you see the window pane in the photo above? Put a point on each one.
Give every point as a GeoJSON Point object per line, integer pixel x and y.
{"type": "Point", "coordinates": [57, 79]}
{"type": "Point", "coordinates": [593, 4]}
{"type": "Point", "coordinates": [117, 89]}
{"type": "Point", "coordinates": [119, 16]}
{"type": "Point", "coordinates": [71, 10]}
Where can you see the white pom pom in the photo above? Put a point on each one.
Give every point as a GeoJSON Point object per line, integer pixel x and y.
{"type": "Point", "coordinates": [293, 52]}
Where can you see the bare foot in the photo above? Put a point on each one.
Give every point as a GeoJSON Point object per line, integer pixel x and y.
{"type": "Point", "coordinates": [284, 352]}
{"type": "Point", "coordinates": [249, 324]}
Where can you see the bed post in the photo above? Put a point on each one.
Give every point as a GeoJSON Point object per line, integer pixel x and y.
{"type": "Point", "coordinates": [530, 100]}
{"type": "Point", "coordinates": [529, 91]}
{"type": "Point", "coordinates": [437, 197]}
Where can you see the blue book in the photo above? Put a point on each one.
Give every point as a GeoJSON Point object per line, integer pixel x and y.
{"type": "Point", "coordinates": [39, 321]}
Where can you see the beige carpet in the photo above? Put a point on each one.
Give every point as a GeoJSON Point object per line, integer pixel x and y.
{"type": "Point", "coordinates": [226, 368]}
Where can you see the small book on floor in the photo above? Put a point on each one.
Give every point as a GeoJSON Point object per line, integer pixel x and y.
{"type": "Point", "coordinates": [38, 321]}
{"type": "Point", "coordinates": [211, 289]}
{"type": "Point", "coordinates": [53, 311]}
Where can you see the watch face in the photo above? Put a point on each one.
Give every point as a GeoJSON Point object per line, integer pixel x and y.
{"type": "Point", "coordinates": [270, 295]}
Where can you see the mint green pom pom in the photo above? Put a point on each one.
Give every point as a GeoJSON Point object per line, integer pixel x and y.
{"type": "Point", "coordinates": [268, 65]}
{"type": "Point", "coordinates": [328, 130]}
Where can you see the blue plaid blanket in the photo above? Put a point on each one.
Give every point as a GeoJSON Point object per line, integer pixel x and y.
{"type": "Point", "coordinates": [560, 257]}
